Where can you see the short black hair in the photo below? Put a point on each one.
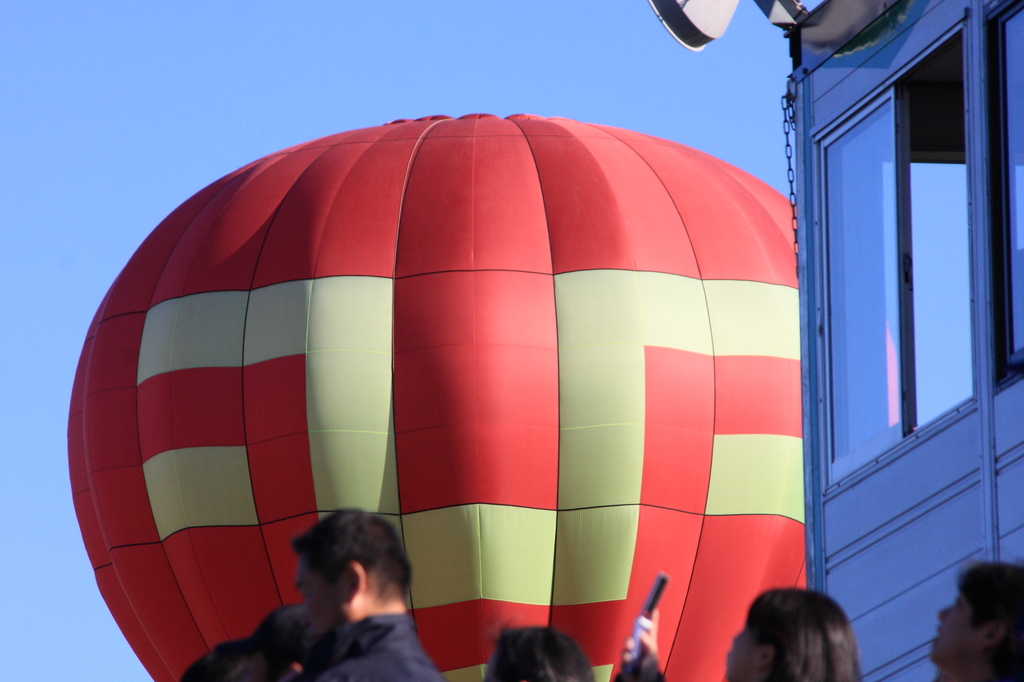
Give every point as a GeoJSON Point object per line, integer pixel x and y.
{"type": "Point", "coordinates": [539, 655]}
{"type": "Point", "coordinates": [812, 637]}
{"type": "Point", "coordinates": [216, 667]}
{"type": "Point", "coordinates": [995, 591]}
{"type": "Point", "coordinates": [354, 535]}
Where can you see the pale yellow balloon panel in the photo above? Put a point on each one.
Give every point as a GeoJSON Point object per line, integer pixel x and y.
{"type": "Point", "coordinates": [623, 306]}
{"type": "Point", "coordinates": [206, 486]}
{"type": "Point", "coordinates": [601, 388]}
{"type": "Point", "coordinates": [157, 335]}
{"type": "Point", "coordinates": [200, 330]}
{"type": "Point", "coordinates": [594, 554]}
{"type": "Point", "coordinates": [757, 474]}
{"type": "Point", "coordinates": [517, 548]}
{"type": "Point", "coordinates": [214, 329]}
{"type": "Point", "coordinates": [354, 469]}
{"type": "Point", "coordinates": [600, 465]}
{"type": "Point", "coordinates": [275, 324]}
{"type": "Point", "coordinates": [348, 391]}
{"type": "Point", "coordinates": [480, 551]}
{"type": "Point", "coordinates": [754, 318]}
{"type": "Point", "coordinates": [473, 673]}
{"type": "Point", "coordinates": [209, 330]}
{"type": "Point", "coordinates": [601, 384]}
{"type": "Point", "coordinates": [349, 407]}
{"type": "Point", "coordinates": [350, 313]}
{"type": "Point", "coordinates": [675, 312]}
{"type": "Point", "coordinates": [597, 307]}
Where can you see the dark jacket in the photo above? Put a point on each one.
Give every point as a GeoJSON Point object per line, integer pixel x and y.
{"type": "Point", "coordinates": [375, 649]}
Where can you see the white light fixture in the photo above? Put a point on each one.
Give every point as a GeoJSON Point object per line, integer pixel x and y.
{"type": "Point", "coordinates": [695, 23]}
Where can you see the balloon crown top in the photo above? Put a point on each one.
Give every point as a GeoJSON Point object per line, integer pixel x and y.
{"type": "Point", "coordinates": [442, 117]}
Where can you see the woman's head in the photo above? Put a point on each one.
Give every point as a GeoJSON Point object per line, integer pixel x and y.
{"type": "Point", "coordinates": [538, 655]}
{"type": "Point", "coordinates": [794, 636]}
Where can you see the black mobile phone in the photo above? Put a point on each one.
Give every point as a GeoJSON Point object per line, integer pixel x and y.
{"type": "Point", "coordinates": [654, 596]}
{"type": "Point", "coordinates": [643, 621]}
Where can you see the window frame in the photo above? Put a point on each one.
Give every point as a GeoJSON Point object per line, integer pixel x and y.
{"type": "Point", "coordinates": [895, 93]}
{"type": "Point", "coordinates": [1009, 366]}
{"type": "Point", "coordinates": [839, 467]}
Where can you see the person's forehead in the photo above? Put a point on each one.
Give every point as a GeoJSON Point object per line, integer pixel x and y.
{"type": "Point", "coordinates": [963, 603]}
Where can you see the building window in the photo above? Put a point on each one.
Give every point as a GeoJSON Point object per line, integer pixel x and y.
{"type": "Point", "coordinates": [1013, 186]}
{"type": "Point", "coordinates": [860, 169]}
{"type": "Point", "coordinates": [898, 257]}
{"type": "Point", "coordinates": [938, 239]}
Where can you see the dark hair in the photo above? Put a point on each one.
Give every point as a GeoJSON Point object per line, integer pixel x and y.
{"type": "Point", "coordinates": [281, 638]}
{"type": "Point", "coordinates": [539, 655]}
{"type": "Point", "coordinates": [216, 667]}
{"type": "Point", "coordinates": [812, 637]}
{"type": "Point", "coordinates": [354, 535]}
{"type": "Point", "coordinates": [996, 592]}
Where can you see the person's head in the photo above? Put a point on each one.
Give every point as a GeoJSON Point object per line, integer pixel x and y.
{"type": "Point", "coordinates": [278, 643]}
{"type": "Point", "coordinates": [217, 667]}
{"type": "Point", "coordinates": [977, 635]}
{"type": "Point", "coordinates": [794, 636]}
{"type": "Point", "coordinates": [538, 655]}
{"type": "Point", "coordinates": [351, 565]}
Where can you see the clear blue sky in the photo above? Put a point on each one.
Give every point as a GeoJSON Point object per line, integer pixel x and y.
{"type": "Point", "coordinates": [111, 114]}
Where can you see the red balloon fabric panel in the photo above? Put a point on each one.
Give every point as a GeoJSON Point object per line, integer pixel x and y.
{"type": "Point", "coordinates": [559, 357]}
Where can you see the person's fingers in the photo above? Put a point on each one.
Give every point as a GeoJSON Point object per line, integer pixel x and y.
{"type": "Point", "coordinates": [649, 645]}
{"type": "Point", "coordinates": [650, 641]}
{"type": "Point", "coordinates": [627, 649]}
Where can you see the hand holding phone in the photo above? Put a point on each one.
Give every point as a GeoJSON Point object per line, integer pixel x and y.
{"type": "Point", "coordinates": [643, 623]}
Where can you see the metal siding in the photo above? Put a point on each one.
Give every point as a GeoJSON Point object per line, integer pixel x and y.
{"type": "Point", "coordinates": [1009, 406]}
{"type": "Point", "coordinates": [1011, 547]}
{"type": "Point", "coordinates": [904, 483]}
{"type": "Point", "coordinates": [904, 623]}
{"type": "Point", "coordinates": [1010, 492]}
{"type": "Point", "coordinates": [941, 537]}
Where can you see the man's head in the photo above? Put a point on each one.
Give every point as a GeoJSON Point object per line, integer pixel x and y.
{"type": "Point", "coordinates": [351, 565]}
{"type": "Point", "coordinates": [977, 635]}
{"type": "Point", "coordinates": [538, 655]}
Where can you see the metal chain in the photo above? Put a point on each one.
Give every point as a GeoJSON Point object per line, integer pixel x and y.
{"type": "Point", "coordinates": [789, 126]}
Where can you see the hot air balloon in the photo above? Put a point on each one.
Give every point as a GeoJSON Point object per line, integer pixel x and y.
{"type": "Point", "coordinates": [559, 357]}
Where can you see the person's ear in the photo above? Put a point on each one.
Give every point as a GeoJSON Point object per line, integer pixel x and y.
{"type": "Point", "coordinates": [765, 658]}
{"type": "Point", "coordinates": [357, 582]}
{"type": "Point", "coordinates": [992, 633]}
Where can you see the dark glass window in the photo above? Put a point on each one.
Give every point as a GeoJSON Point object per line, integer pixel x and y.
{"type": "Point", "coordinates": [1013, 89]}
{"type": "Point", "coordinates": [937, 240]}
{"type": "Point", "coordinates": [861, 204]}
